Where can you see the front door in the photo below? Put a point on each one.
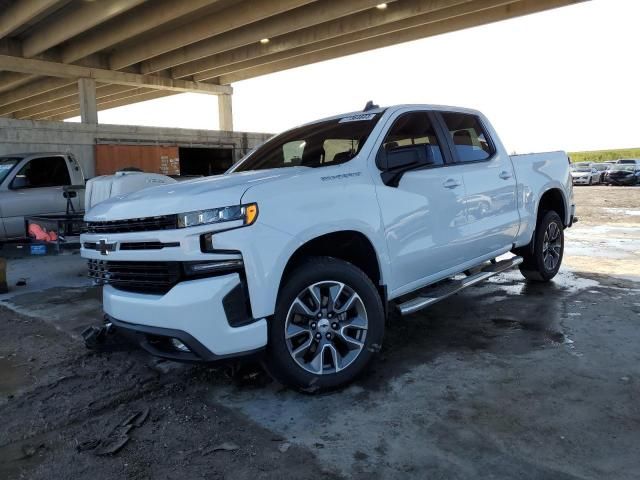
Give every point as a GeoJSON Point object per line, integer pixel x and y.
{"type": "Point", "coordinates": [424, 215]}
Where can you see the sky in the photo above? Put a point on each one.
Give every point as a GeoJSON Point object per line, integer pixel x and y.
{"type": "Point", "coordinates": [566, 79]}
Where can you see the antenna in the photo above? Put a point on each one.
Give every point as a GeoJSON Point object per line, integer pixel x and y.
{"type": "Point", "coordinates": [370, 106]}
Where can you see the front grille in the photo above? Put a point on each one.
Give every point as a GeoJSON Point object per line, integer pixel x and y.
{"type": "Point", "coordinates": [141, 277]}
{"type": "Point", "coordinates": [147, 245]}
{"type": "Point", "coordinates": [147, 224]}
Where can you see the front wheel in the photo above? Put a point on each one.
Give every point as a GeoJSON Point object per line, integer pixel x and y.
{"type": "Point", "coordinates": [542, 262]}
{"type": "Point", "coordinates": [328, 324]}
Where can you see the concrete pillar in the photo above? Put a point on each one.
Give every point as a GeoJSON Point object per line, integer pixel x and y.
{"type": "Point", "coordinates": [88, 104]}
{"type": "Point", "coordinates": [225, 112]}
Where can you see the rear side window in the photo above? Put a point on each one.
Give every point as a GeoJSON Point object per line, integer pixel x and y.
{"type": "Point", "coordinates": [43, 172]}
{"type": "Point", "coordinates": [414, 129]}
{"type": "Point", "coordinates": [468, 136]}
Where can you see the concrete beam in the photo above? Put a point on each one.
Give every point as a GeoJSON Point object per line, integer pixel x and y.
{"type": "Point", "coordinates": [228, 19]}
{"type": "Point", "coordinates": [51, 97]}
{"type": "Point", "coordinates": [72, 104]}
{"type": "Point", "coordinates": [225, 113]}
{"type": "Point", "coordinates": [88, 104]}
{"type": "Point", "coordinates": [143, 97]}
{"type": "Point", "coordinates": [303, 17]}
{"type": "Point", "coordinates": [148, 16]}
{"type": "Point", "coordinates": [434, 17]}
{"type": "Point", "coordinates": [520, 8]}
{"type": "Point", "coordinates": [11, 80]}
{"type": "Point", "coordinates": [65, 97]}
{"type": "Point", "coordinates": [373, 22]}
{"type": "Point", "coordinates": [53, 69]}
{"type": "Point", "coordinates": [86, 16]}
{"type": "Point", "coordinates": [33, 89]}
{"type": "Point", "coordinates": [19, 13]}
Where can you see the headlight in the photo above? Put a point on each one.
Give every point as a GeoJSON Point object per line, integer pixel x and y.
{"type": "Point", "coordinates": [246, 213]}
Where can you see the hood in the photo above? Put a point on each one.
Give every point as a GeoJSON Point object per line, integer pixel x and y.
{"type": "Point", "coordinates": [579, 174]}
{"type": "Point", "coordinates": [188, 196]}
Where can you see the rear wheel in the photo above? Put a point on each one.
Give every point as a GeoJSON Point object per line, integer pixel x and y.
{"type": "Point", "coordinates": [542, 262]}
{"type": "Point", "coordinates": [328, 324]}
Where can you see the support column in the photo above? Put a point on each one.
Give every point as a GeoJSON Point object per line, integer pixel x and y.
{"type": "Point", "coordinates": [88, 104]}
{"type": "Point", "coordinates": [225, 112]}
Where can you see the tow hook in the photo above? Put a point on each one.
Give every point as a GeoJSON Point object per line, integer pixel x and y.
{"type": "Point", "coordinates": [95, 336]}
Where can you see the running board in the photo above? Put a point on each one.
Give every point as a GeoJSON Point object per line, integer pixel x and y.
{"type": "Point", "coordinates": [428, 298]}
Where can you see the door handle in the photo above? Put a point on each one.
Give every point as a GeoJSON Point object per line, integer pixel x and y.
{"type": "Point", "coordinates": [504, 175]}
{"type": "Point", "coordinates": [451, 183]}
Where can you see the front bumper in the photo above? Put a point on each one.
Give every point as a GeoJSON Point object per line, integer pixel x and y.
{"type": "Point", "coordinates": [192, 312]}
{"type": "Point", "coordinates": [629, 180]}
{"type": "Point", "coordinates": [581, 180]}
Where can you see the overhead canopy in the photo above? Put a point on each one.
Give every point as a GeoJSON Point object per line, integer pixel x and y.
{"type": "Point", "coordinates": [137, 50]}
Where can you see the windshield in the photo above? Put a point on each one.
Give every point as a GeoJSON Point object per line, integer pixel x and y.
{"type": "Point", "coordinates": [623, 168]}
{"type": "Point", "coordinates": [581, 168]}
{"type": "Point", "coordinates": [627, 162]}
{"type": "Point", "coordinates": [318, 145]}
{"type": "Point", "coordinates": [6, 164]}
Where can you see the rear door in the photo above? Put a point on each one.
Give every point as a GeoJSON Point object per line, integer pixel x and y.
{"type": "Point", "coordinates": [490, 185]}
{"type": "Point", "coordinates": [424, 214]}
{"type": "Point", "coordinates": [36, 188]}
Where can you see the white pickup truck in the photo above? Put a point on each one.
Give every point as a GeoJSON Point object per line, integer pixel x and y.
{"type": "Point", "coordinates": [301, 250]}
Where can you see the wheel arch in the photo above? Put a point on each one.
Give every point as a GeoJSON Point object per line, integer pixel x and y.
{"type": "Point", "coordinates": [349, 245]}
{"type": "Point", "coordinates": [553, 199]}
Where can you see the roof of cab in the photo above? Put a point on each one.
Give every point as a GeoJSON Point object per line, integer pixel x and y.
{"type": "Point", "coordinates": [393, 108]}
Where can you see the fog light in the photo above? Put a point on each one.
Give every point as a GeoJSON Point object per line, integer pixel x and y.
{"type": "Point", "coordinates": [178, 345]}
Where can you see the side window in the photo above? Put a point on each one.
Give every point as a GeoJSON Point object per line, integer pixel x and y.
{"type": "Point", "coordinates": [292, 152]}
{"type": "Point", "coordinates": [469, 138]}
{"type": "Point", "coordinates": [414, 129]}
{"type": "Point", "coordinates": [339, 150]}
{"type": "Point", "coordinates": [43, 172]}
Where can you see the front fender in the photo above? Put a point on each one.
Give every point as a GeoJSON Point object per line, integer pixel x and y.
{"type": "Point", "coordinates": [309, 204]}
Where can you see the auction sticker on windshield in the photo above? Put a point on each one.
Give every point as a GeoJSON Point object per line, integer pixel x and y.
{"type": "Point", "coordinates": [358, 118]}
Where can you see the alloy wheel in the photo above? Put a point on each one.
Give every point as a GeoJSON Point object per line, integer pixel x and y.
{"type": "Point", "coordinates": [552, 246]}
{"type": "Point", "coordinates": [326, 327]}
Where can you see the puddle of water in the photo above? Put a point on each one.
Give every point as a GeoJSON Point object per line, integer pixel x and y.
{"type": "Point", "coordinates": [546, 335]}
{"type": "Point", "coordinates": [622, 211]}
{"type": "Point", "coordinates": [512, 282]}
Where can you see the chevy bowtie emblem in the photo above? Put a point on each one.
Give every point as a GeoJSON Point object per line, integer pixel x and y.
{"type": "Point", "coordinates": [104, 248]}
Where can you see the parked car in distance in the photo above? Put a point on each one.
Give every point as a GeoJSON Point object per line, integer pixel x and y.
{"type": "Point", "coordinates": [34, 184]}
{"type": "Point", "coordinates": [584, 174]}
{"type": "Point", "coordinates": [602, 168]}
{"type": "Point", "coordinates": [301, 249]}
{"type": "Point", "coordinates": [628, 161]}
{"type": "Point", "coordinates": [624, 174]}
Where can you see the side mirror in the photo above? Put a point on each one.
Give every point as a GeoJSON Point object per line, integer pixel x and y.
{"type": "Point", "coordinates": [403, 157]}
{"type": "Point", "coordinates": [20, 181]}
{"type": "Point", "coordinates": [397, 161]}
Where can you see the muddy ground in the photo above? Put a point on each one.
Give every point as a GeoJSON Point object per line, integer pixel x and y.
{"type": "Point", "coordinates": [505, 380]}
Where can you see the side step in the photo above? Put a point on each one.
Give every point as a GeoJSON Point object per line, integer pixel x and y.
{"type": "Point", "coordinates": [435, 294]}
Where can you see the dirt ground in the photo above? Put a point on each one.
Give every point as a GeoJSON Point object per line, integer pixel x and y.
{"type": "Point", "coordinates": [504, 380]}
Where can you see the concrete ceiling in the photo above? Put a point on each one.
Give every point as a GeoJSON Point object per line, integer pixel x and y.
{"type": "Point", "coordinates": [142, 49]}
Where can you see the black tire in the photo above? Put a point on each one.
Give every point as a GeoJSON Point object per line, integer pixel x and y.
{"type": "Point", "coordinates": [590, 181]}
{"type": "Point", "coordinates": [278, 359]}
{"type": "Point", "coordinates": [534, 268]}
